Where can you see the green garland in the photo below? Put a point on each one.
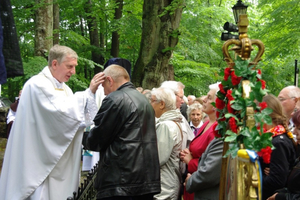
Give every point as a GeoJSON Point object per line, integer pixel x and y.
{"type": "Point", "coordinates": [231, 109]}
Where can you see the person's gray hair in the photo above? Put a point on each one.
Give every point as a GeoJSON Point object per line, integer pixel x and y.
{"type": "Point", "coordinates": [175, 86]}
{"type": "Point", "coordinates": [166, 95]}
{"type": "Point", "coordinates": [293, 91]}
{"type": "Point", "coordinates": [215, 87]}
{"type": "Point", "coordinates": [116, 72]}
{"type": "Point", "coordinates": [58, 52]}
{"type": "Point", "coordinates": [194, 106]}
{"type": "Point", "coordinates": [192, 96]}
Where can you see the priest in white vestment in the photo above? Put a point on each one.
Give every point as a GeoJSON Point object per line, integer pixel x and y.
{"type": "Point", "coordinates": [42, 158]}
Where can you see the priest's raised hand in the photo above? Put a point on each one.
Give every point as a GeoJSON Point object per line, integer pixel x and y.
{"type": "Point", "coordinates": [98, 79]}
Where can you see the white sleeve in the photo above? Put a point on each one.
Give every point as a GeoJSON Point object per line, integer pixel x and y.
{"type": "Point", "coordinates": [10, 116]}
{"type": "Point", "coordinates": [91, 107]}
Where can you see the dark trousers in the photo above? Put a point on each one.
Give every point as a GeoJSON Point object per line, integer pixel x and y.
{"type": "Point", "coordinates": [141, 197]}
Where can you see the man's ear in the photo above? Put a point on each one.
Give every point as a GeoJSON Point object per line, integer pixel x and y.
{"type": "Point", "coordinates": [54, 64]}
{"type": "Point", "coordinates": [110, 81]}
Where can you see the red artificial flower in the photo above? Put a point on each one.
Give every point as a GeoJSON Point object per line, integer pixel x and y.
{"type": "Point", "coordinates": [229, 95]}
{"type": "Point", "coordinates": [264, 130]}
{"type": "Point", "coordinates": [263, 105]}
{"type": "Point", "coordinates": [222, 88]}
{"type": "Point", "coordinates": [220, 104]}
{"type": "Point", "coordinates": [265, 154]}
{"type": "Point", "coordinates": [218, 115]}
{"type": "Point", "coordinates": [259, 72]}
{"type": "Point", "coordinates": [216, 133]}
{"type": "Point", "coordinates": [227, 72]}
{"type": "Point", "coordinates": [263, 84]}
{"type": "Point", "coordinates": [232, 125]}
{"type": "Point", "coordinates": [229, 109]}
{"type": "Point", "coordinates": [235, 79]}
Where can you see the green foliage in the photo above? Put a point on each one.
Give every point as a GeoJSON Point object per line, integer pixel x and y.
{"type": "Point", "coordinates": [198, 55]}
{"type": "Point", "coordinates": [195, 76]}
{"type": "Point", "coordinates": [279, 30]}
{"type": "Point", "coordinates": [170, 9]}
{"type": "Point", "coordinates": [232, 107]}
{"type": "Point", "coordinates": [33, 67]}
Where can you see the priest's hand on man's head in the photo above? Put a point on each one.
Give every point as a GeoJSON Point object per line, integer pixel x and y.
{"type": "Point", "coordinates": [98, 79]}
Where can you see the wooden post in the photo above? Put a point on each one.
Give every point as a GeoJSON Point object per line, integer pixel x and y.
{"type": "Point", "coordinates": [223, 173]}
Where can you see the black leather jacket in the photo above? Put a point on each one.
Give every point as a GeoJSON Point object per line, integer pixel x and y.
{"type": "Point", "coordinates": [125, 135]}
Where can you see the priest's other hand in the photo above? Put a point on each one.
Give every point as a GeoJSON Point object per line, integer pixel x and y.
{"type": "Point", "coordinates": [98, 79]}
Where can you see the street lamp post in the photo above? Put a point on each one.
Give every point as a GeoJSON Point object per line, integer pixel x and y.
{"type": "Point", "coordinates": [244, 183]}
{"type": "Point", "coordinates": [239, 9]}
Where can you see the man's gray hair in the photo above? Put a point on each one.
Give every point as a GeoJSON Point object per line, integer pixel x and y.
{"type": "Point", "coordinates": [293, 91]}
{"type": "Point", "coordinates": [192, 96]}
{"type": "Point", "coordinates": [166, 95]}
{"type": "Point", "coordinates": [58, 52]}
{"type": "Point", "coordinates": [194, 106]}
{"type": "Point", "coordinates": [175, 86]}
{"type": "Point", "coordinates": [116, 72]}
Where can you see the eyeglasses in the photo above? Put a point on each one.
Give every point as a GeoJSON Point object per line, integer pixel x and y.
{"type": "Point", "coordinates": [283, 99]}
{"type": "Point", "coordinates": [179, 96]}
{"type": "Point", "coordinates": [153, 100]}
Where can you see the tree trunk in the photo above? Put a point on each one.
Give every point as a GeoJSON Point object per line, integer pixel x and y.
{"type": "Point", "coordinates": [94, 37]}
{"type": "Point", "coordinates": [55, 23]}
{"type": "Point", "coordinates": [82, 31]}
{"type": "Point", "coordinates": [102, 34]}
{"type": "Point", "coordinates": [159, 37]}
{"type": "Point", "coordinates": [115, 43]}
{"type": "Point", "coordinates": [43, 28]}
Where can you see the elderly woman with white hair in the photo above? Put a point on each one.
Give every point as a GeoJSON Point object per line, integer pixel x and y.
{"type": "Point", "coordinates": [169, 139]}
{"type": "Point", "coordinates": [195, 115]}
{"type": "Point", "coordinates": [204, 156]}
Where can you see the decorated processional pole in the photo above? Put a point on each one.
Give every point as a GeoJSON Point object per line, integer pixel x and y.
{"type": "Point", "coordinates": [241, 114]}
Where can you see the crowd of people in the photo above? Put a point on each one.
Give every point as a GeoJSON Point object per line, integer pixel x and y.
{"type": "Point", "coordinates": [153, 143]}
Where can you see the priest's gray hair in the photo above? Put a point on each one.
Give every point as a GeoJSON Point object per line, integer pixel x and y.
{"type": "Point", "coordinates": [116, 72]}
{"type": "Point", "coordinates": [166, 95]}
{"type": "Point", "coordinates": [58, 52]}
{"type": "Point", "coordinates": [194, 106]}
{"type": "Point", "coordinates": [175, 86]}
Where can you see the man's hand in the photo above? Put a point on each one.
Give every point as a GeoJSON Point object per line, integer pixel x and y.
{"type": "Point", "coordinates": [96, 81]}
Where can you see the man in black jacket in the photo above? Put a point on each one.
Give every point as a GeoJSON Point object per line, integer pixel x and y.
{"type": "Point", "coordinates": [124, 133]}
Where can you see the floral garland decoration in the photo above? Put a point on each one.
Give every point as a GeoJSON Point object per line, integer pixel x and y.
{"type": "Point", "coordinates": [265, 153]}
{"type": "Point", "coordinates": [231, 109]}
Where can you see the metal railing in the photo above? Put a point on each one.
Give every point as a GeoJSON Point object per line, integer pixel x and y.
{"type": "Point", "coordinates": [86, 191]}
